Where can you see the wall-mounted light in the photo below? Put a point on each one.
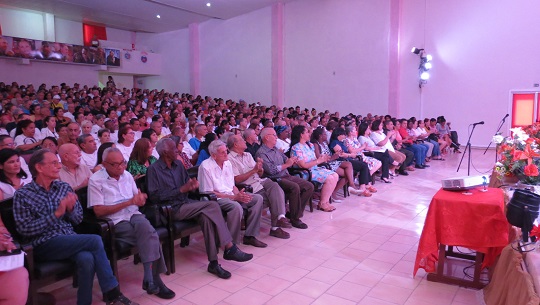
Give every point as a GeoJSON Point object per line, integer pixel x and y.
{"type": "Point", "coordinates": [425, 65]}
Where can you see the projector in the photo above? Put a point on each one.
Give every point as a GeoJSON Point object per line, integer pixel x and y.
{"type": "Point", "coordinates": [464, 183]}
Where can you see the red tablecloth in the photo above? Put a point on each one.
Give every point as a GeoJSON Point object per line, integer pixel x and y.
{"type": "Point", "coordinates": [474, 221]}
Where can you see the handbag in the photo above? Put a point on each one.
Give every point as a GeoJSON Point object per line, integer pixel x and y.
{"type": "Point", "coordinates": [522, 210]}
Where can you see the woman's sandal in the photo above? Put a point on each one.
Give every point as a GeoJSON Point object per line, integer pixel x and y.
{"type": "Point", "coordinates": [365, 193]}
{"type": "Point", "coordinates": [371, 189]}
{"type": "Point", "coordinates": [329, 208]}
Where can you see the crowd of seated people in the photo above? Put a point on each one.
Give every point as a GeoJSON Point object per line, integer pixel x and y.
{"type": "Point", "coordinates": [104, 139]}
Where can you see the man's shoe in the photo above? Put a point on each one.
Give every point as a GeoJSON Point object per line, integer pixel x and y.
{"type": "Point", "coordinates": [235, 254]}
{"type": "Point", "coordinates": [121, 300]}
{"type": "Point", "coordinates": [425, 165]}
{"type": "Point", "coordinates": [279, 233]}
{"type": "Point", "coordinates": [253, 241]}
{"type": "Point", "coordinates": [403, 173]}
{"type": "Point", "coordinates": [419, 166]}
{"type": "Point", "coordinates": [220, 272]}
{"type": "Point", "coordinates": [283, 223]}
{"type": "Point", "coordinates": [150, 287]}
{"type": "Point", "coordinates": [166, 293]}
{"type": "Point", "coordinates": [297, 223]}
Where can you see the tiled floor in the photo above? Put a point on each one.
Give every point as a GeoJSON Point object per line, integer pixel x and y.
{"type": "Point", "coordinates": [362, 253]}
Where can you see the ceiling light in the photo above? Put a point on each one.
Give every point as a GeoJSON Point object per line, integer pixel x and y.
{"type": "Point", "coordinates": [424, 76]}
{"type": "Point", "coordinates": [209, 4]}
{"type": "Point", "coordinates": [158, 16]}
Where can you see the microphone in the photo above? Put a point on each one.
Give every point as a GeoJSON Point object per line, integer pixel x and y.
{"type": "Point", "coordinates": [479, 123]}
{"type": "Point", "coordinates": [504, 119]}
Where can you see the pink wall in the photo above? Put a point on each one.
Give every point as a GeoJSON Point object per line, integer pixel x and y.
{"type": "Point", "coordinates": [235, 57]}
{"type": "Point", "coordinates": [174, 49]}
{"type": "Point", "coordinates": [482, 49]}
{"type": "Point", "coordinates": [336, 55]}
{"type": "Point", "coordinates": [49, 73]}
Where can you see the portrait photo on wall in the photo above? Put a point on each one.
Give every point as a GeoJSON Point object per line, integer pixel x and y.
{"type": "Point", "coordinates": [6, 46]}
{"type": "Point", "coordinates": [82, 55]}
{"type": "Point", "coordinates": [113, 57]}
{"type": "Point", "coordinates": [24, 48]}
{"type": "Point", "coordinates": [46, 50]}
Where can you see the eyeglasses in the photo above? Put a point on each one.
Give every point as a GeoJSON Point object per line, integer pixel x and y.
{"type": "Point", "coordinates": [116, 165]}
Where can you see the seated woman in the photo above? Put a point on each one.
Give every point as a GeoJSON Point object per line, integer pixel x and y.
{"type": "Point", "coordinates": [343, 168]}
{"type": "Point", "coordinates": [60, 118]}
{"type": "Point", "coordinates": [50, 128]}
{"type": "Point", "coordinates": [14, 282]}
{"type": "Point", "coordinates": [203, 149]}
{"type": "Point", "coordinates": [151, 135]}
{"type": "Point", "coordinates": [421, 132]}
{"type": "Point", "coordinates": [305, 152]}
{"type": "Point", "coordinates": [140, 158]}
{"type": "Point", "coordinates": [384, 141]}
{"type": "Point", "coordinates": [126, 138]}
{"type": "Point", "coordinates": [182, 156]}
{"type": "Point", "coordinates": [433, 135]}
{"type": "Point", "coordinates": [409, 144]}
{"type": "Point", "coordinates": [100, 151]}
{"type": "Point", "coordinates": [419, 139]}
{"type": "Point", "coordinates": [444, 131]}
{"type": "Point", "coordinates": [12, 177]}
{"type": "Point", "coordinates": [354, 146]}
{"type": "Point", "coordinates": [51, 144]}
{"type": "Point", "coordinates": [379, 153]}
{"type": "Point", "coordinates": [24, 137]}
{"type": "Point", "coordinates": [104, 136]}
{"type": "Point", "coordinates": [360, 167]}
{"type": "Point", "coordinates": [62, 132]}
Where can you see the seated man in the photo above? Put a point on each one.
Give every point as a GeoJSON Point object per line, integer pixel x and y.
{"type": "Point", "coordinates": [200, 131]}
{"type": "Point", "coordinates": [275, 164]}
{"type": "Point", "coordinates": [88, 146]}
{"type": "Point", "coordinates": [246, 171]}
{"type": "Point", "coordinates": [252, 141]}
{"type": "Point", "coordinates": [216, 175]}
{"type": "Point", "coordinates": [112, 193]}
{"type": "Point", "coordinates": [45, 212]}
{"type": "Point", "coordinates": [168, 183]}
{"type": "Point", "coordinates": [72, 172]}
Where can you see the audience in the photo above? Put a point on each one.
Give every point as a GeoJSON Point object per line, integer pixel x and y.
{"type": "Point", "coordinates": [305, 154]}
{"type": "Point", "coordinates": [52, 234]}
{"type": "Point", "coordinates": [258, 139]}
{"type": "Point", "coordinates": [247, 171]}
{"type": "Point", "coordinates": [216, 175]}
{"type": "Point", "coordinates": [168, 183]}
{"type": "Point", "coordinates": [112, 193]}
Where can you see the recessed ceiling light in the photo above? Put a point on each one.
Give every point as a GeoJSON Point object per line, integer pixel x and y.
{"type": "Point", "coordinates": [158, 16]}
{"type": "Point", "coordinates": [209, 4]}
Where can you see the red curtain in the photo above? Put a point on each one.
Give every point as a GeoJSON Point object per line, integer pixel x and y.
{"type": "Point", "coordinates": [90, 30]}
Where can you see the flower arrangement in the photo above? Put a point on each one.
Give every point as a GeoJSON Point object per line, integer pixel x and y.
{"type": "Point", "coordinates": [519, 154]}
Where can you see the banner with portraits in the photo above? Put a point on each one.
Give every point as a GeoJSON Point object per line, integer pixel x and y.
{"type": "Point", "coordinates": [56, 51]}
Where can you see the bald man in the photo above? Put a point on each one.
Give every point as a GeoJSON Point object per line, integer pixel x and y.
{"type": "Point", "coordinates": [72, 172]}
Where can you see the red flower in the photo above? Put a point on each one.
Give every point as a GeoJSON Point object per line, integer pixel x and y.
{"type": "Point", "coordinates": [535, 232]}
{"type": "Point", "coordinates": [531, 170]}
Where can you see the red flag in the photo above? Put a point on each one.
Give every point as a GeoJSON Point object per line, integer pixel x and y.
{"type": "Point", "coordinates": [90, 30]}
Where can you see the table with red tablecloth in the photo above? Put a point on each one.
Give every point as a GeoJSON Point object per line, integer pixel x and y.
{"type": "Point", "coordinates": [475, 220]}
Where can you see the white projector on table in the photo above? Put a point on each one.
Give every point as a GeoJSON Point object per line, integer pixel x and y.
{"type": "Point", "coordinates": [464, 183]}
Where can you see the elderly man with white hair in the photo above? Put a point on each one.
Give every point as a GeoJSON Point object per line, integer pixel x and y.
{"type": "Point", "coordinates": [216, 175]}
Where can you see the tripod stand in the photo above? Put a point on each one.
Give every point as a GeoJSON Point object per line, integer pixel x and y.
{"type": "Point", "coordinates": [468, 151]}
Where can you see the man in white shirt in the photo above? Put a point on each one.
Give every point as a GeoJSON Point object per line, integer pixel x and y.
{"type": "Point", "coordinates": [112, 193]}
{"type": "Point", "coordinates": [88, 146]}
{"type": "Point", "coordinates": [216, 175]}
{"type": "Point", "coordinates": [248, 172]}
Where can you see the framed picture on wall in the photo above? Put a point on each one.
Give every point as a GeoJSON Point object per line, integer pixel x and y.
{"type": "Point", "coordinates": [113, 57]}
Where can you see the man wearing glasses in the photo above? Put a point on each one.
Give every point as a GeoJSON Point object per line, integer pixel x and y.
{"type": "Point", "coordinates": [112, 193]}
{"type": "Point", "coordinates": [45, 211]}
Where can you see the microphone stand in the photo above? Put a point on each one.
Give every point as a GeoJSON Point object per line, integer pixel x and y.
{"type": "Point", "coordinates": [496, 133]}
{"type": "Point", "coordinates": [467, 151]}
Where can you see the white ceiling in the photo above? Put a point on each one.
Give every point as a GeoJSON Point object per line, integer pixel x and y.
{"type": "Point", "coordinates": [140, 15]}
